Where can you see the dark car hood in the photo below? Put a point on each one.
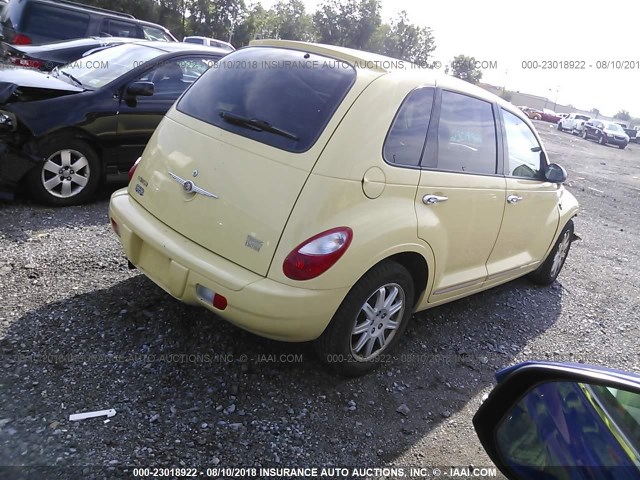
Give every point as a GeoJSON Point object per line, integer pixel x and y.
{"type": "Point", "coordinates": [41, 85]}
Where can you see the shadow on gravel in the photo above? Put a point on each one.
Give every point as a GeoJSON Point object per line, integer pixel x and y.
{"type": "Point", "coordinates": [23, 219]}
{"type": "Point", "coordinates": [190, 389]}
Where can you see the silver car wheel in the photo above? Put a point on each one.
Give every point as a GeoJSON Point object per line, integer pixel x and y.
{"type": "Point", "coordinates": [377, 322]}
{"type": "Point", "coordinates": [65, 173]}
{"type": "Point", "coordinates": [561, 253]}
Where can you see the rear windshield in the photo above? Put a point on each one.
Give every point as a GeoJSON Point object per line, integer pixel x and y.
{"type": "Point", "coordinates": [53, 22]}
{"type": "Point", "coordinates": [283, 98]}
{"type": "Point", "coordinates": [193, 40]}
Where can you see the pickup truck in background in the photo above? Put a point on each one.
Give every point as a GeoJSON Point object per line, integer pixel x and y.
{"type": "Point", "coordinates": [632, 132]}
{"type": "Point", "coordinates": [574, 122]}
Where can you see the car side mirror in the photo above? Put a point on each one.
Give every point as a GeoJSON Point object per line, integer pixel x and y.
{"type": "Point", "coordinates": [555, 173]}
{"type": "Point", "coordinates": [557, 421]}
{"type": "Point", "coordinates": [140, 89]}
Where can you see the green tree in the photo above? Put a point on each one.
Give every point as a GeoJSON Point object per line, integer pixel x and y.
{"type": "Point", "coordinates": [292, 21]}
{"type": "Point", "coordinates": [348, 23]}
{"type": "Point", "coordinates": [407, 41]}
{"type": "Point", "coordinates": [623, 115]}
{"type": "Point", "coordinates": [464, 67]}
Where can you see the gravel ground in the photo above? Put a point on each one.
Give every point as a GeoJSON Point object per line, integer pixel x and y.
{"type": "Point", "coordinates": [80, 332]}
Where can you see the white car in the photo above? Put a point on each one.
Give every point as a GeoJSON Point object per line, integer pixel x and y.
{"type": "Point", "coordinates": [210, 42]}
{"type": "Point", "coordinates": [574, 122]}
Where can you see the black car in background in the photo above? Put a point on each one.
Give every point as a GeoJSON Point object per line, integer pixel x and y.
{"type": "Point", "coordinates": [50, 55]}
{"type": "Point", "coordinates": [605, 133]}
{"type": "Point", "coordinates": [30, 22]}
{"type": "Point", "coordinates": [62, 134]}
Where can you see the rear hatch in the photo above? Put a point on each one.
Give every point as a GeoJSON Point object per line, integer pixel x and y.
{"type": "Point", "coordinates": [226, 165]}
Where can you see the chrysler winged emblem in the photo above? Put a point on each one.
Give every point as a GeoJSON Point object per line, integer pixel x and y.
{"type": "Point", "coordinates": [190, 187]}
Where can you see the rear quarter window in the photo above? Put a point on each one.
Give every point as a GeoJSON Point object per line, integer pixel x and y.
{"type": "Point", "coordinates": [54, 22]}
{"type": "Point", "coordinates": [406, 138]}
{"type": "Point", "coordinates": [292, 91]}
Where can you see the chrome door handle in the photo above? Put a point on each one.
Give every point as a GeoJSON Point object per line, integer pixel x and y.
{"type": "Point", "coordinates": [433, 199]}
{"type": "Point", "coordinates": [513, 199]}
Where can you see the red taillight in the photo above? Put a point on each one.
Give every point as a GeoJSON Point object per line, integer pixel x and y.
{"type": "Point", "coordinates": [26, 62]}
{"type": "Point", "coordinates": [132, 170]}
{"type": "Point", "coordinates": [318, 254]}
{"type": "Point", "coordinates": [20, 39]}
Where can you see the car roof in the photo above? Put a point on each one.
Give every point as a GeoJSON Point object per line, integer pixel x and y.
{"type": "Point", "coordinates": [389, 65]}
{"type": "Point", "coordinates": [171, 47]}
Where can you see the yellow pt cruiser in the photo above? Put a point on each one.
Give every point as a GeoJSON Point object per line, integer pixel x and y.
{"type": "Point", "coordinates": [310, 192]}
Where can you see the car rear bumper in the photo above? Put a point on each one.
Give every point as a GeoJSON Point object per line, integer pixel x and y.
{"type": "Point", "coordinates": [255, 303]}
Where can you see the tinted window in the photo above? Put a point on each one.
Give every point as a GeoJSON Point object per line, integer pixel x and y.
{"type": "Point", "coordinates": [466, 135]}
{"type": "Point", "coordinates": [582, 117]}
{"type": "Point", "coordinates": [50, 21]}
{"type": "Point", "coordinates": [193, 40]}
{"type": "Point", "coordinates": [523, 148]}
{"type": "Point", "coordinates": [408, 132]}
{"type": "Point", "coordinates": [152, 33]}
{"type": "Point", "coordinates": [117, 28]}
{"type": "Point", "coordinates": [171, 78]}
{"type": "Point", "coordinates": [295, 93]}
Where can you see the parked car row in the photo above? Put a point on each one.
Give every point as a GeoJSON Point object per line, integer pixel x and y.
{"type": "Point", "coordinates": [602, 131]}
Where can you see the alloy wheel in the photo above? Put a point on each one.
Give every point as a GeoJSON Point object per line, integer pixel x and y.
{"type": "Point", "coordinates": [377, 322]}
{"type": "Point", "coordinates": [65, 173]}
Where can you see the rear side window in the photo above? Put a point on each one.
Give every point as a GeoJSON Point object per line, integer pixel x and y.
{"type": "Point", "coordinates": [152, 33]}
{"type": "Point", "coordinates": [466, 135]}
{"type": "Point", "coordinates": [408, 132]}
{"type": "Point", "coordinates": [283, 98]}
{"type": "Point", "coordinates": [117, 28]}
{"type": "Point", "coordinates": [50, 21]}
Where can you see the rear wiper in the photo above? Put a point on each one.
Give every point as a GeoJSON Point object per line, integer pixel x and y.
{"type": "Point", "coordinates": [75, 80]}
{"type": "Point", "coordinates": [254, 124]}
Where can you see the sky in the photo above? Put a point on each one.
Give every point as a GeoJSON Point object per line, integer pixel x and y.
{"type": "Point", "coordinates": [545, 31]}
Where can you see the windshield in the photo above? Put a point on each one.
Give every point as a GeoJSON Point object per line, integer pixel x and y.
{"type": "Point", "coordinates": [97, 70]}
{"type": "Point", "coordinates": [614, 127]}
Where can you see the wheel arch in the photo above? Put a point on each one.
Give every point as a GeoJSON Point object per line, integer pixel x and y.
{"type": "Point", "coordinates": [417, 266]}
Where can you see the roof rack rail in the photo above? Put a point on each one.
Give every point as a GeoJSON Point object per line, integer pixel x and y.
{"type": "Point", "coordinates": [91, 7]}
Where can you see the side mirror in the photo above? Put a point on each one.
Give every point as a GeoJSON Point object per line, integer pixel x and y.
{"type": "Point", "coordinates": [140, 89]}
{"type": "Point", "coordinates": [562, 421]}
{"type": "Point", "coordinates": [555, 173]}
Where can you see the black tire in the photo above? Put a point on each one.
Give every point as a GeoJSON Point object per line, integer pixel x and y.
{"type": "Point", "coordinates": [621, 147]}
{"type": "Point", "coordinates": [546, 274]}
{"type": "Point", "coordinates": [602, 140]}
{"type": "Point", "coordinates": [63, 152]}
{"type": "Point", "coordinates": [560, 126]}
{"type": "Point", "coordinates": [336, 345]}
